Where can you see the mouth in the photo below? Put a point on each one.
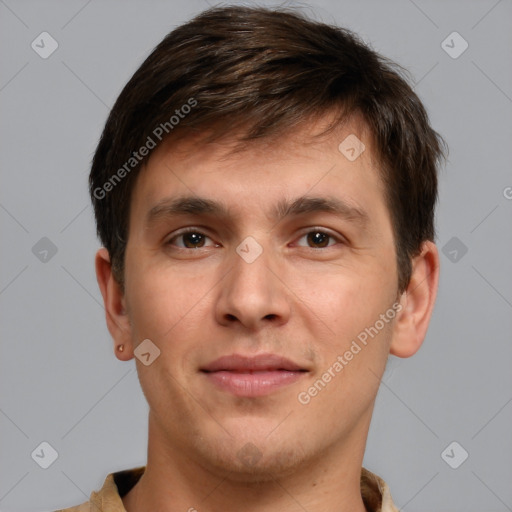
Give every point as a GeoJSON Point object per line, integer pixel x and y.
{"type": "Point", "coordinates": [252, 376]}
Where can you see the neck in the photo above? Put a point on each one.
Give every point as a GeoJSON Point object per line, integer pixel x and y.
{"type": "Point", "coordinates": [174, 482]}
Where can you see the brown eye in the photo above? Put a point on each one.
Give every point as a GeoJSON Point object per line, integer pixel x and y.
{"type": "Point", "coordinates": [191, 239]}
{"type": "Point", "coordinates": [318, 239]}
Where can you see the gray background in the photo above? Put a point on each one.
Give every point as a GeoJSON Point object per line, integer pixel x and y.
{"type": "Point", "coordinates": [59, 379]}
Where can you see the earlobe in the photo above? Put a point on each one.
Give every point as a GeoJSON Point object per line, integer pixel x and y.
{"type": "Point", "coordinates": [118, 322]}
{"type": "Point", "coordinates": [417, 303]}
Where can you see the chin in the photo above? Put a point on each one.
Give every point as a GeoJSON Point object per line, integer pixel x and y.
{"type": "Point", "coordinates": [245, 461]}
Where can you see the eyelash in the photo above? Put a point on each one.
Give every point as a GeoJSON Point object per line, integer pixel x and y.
{"type": "Point", "coordinates": [186, 231]}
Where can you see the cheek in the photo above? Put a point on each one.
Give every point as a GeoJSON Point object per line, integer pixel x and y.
{"type": "Point", "coordinates": [344, 388]}
{"type": "Point", "coordinates": [161, 299]}
{"type": "Point", "coordinates": [343, 303]}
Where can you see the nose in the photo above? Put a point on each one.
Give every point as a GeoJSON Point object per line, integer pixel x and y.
{"type": "Point", "coordinates": [253, 294]}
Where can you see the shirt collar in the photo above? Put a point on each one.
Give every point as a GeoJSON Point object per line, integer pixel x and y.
{"type": "Point", "coordinates": [375, 492]}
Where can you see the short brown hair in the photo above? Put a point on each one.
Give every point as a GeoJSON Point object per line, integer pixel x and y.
{"type": "Point", "coordinates": [267, 71]}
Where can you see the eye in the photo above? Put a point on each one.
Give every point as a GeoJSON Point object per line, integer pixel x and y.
{"type": "Point", "coordinates": [191, 239]}
{"type": "Point", "coordinates": [319, 238]}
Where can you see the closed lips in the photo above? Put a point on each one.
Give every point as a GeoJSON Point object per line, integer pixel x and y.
{"type": "Point", "coordinates": [255, 364]}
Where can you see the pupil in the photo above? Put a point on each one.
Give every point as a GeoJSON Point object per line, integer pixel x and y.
{"type": "Point", "coordinates": [194, 238]}
{"type": "Point", "coordinates": [319, 238]}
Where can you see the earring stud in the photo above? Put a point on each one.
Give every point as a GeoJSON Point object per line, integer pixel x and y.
{"type": "Point", "coordinates": [120, 348]}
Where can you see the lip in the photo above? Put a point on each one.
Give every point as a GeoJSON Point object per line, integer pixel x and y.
{"type": "Point", "coordinates": [252, 376]}
{"type": "Point", "coordinates": [261, 362]}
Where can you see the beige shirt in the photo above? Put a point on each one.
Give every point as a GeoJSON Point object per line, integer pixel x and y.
{"type": "Point", "coordinates": [374, 490]}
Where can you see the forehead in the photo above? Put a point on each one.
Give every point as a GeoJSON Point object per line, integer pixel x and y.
{"type": "Point", "coordinates": [305, 139]}
{"type": "Point", "coordinates": [252, 174]}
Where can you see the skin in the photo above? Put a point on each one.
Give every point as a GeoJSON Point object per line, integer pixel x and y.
{"type": "Point", "coordinates": [301, 298]}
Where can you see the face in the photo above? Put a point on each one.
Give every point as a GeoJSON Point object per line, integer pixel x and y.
{"type": "Point", "coordinates": [267, 280]}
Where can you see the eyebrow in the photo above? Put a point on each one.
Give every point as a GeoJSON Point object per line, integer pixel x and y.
{"type": "Point", "coordinates": [193, 205]}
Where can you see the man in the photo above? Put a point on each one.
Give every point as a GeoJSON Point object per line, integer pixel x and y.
{"type": "Point", "coordinates": [264, 189]}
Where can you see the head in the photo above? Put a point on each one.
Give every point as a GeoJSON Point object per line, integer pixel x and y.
{"type": "Point", "coordinates": [255, 117]}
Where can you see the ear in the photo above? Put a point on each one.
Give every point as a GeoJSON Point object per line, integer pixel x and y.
{"type": "Point", "coordinates": [118, 321]}
{"type": "Point", "coordinates": [417, 303]}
